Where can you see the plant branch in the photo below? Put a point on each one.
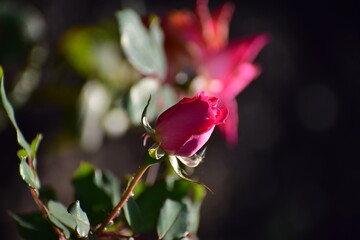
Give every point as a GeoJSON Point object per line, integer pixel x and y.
{"type": "Point", "coordinates": [41, 205]}
{"type": "Point", "coordinates": [116, 235]}
{"type": "Point", "coordinates": [125, 197]}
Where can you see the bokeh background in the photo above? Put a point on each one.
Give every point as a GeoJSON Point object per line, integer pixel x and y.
{"type": "Point", "coordinates": [293, 175]}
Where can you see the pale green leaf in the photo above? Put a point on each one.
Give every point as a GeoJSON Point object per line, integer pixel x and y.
{"type": "Point", "coordinates": [138, 99]}
{"type": "Point", "coordinates": [157, 38]}
{"type": "Point", "coordinates": [58, 210]}
{"type": "Point", "coordinates": [143, 47]}
{"type": "Point", "coordinates": [82, 221]}
{"type": "Point", "coordinates": [10, 112]}
{"type": "Point", "coordinates": [34, 147]}
{"type": "Point", "coordinates": [28, 175]}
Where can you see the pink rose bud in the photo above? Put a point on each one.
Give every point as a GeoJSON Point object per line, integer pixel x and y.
{"type": "Point", "coordinates": [185, 127]}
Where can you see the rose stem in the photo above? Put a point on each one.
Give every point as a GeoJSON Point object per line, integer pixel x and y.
{"type": "Point", "coordinates": [41, 205]}
{"type": "Point", "coordinates": [125, 197]}
{"type": "Point", "coordinates": [116, 235]}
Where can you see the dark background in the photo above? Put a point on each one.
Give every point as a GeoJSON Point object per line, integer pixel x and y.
{"type": "Point", "coordinates": [295, 172]}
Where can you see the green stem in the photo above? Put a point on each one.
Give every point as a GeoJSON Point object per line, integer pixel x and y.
{"type": "Point", "coordinates": [125, 196]}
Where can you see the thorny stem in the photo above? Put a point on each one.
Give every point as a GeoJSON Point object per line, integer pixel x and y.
{"type": "Point", "coordinates": [41, 205]}
{"type": "Point", "coordinates": [124, 198]}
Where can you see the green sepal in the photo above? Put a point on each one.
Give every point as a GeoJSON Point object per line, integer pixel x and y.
{"type": "Point", "coordinates": [155, 151]}
{"type": "Point", "coordinates": [179, 171]}
{"type": "Point", "coordinates": [145, 123]}
{"type": "Point", "coordinates": [150, 160]}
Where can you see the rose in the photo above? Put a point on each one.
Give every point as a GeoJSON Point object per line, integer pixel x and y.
{"type": "Point", "coordinates": [185, 127]}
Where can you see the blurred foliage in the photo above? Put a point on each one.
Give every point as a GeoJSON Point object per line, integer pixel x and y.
{"type": "Point", "coordinates": [170, 205]}
{"type": "Point", "coordinates": [24, 49]}
{"type": "Point", "coordinates": [121, 77]}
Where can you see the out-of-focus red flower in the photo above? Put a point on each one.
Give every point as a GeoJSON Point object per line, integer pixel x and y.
{"type": "Point", "coordinates": [224, 69]}
{"type": "Point", "coordinates": [185, 127]}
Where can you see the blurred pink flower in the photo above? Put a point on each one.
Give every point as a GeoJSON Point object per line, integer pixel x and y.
{"type": "Point", "coordinates": [224, 69]}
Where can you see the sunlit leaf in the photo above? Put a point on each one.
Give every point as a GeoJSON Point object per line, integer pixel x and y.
{"type": "Point", "coordinates": [82, 221]}
{"type": "Point", "coordinates": [143, 47]}
{"type": "Point", "coordinates": [157, 39]}
{"type": "Point", "coordinates": [173, 220]}
{"type": "Point", "coordinates": [60, 212]}
{"type": "Point", "coordinates": [138, 98]}
{"type": "Point", "coordinates": [34, 147]}
{"type": "Point", "coordinates": [10, 112]}
{"type": "Point", "coordinates": [28, 175]}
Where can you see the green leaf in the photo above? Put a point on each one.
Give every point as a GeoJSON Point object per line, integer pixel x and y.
{"type": "Point", "coordinates": [10, 112]}
{"type": "Point", "coordinates": [150, 201]}
{"type": "Point", "coordinates": [34, 227]}
{"type": "Point", "coordinates": [133, 215]}
{"type": "Point", "coordinates": [157, 38]}
{"type": "Point", "coordinates": [34, 147]}
{"type": "Point", "coordinates": [28, 175]}
{"type": "Point", "coordinates": [178, 188]}
{"type": "Point", "coordinates": [139, 97]}
{"type": "Point", "coordinates": [193, 216]}
{"type": "Point", "coordinates": [58, 210]}
{"type": "Point", "coordinates": [199, 193]}
{"type": "Point", "coordinates": [98, 192]}
{"type": "Point", "coordinates": [143, 47]}
{"type": "Point", "coordinates": [173, 220]}
{"type": "Point", "coordinates": [59, 225]}
{"type": "Point", "coordinates": [82, 221]}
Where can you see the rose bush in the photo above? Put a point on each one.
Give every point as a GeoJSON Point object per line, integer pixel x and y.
{"type": "Point", "coordinates": [185, 127]}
